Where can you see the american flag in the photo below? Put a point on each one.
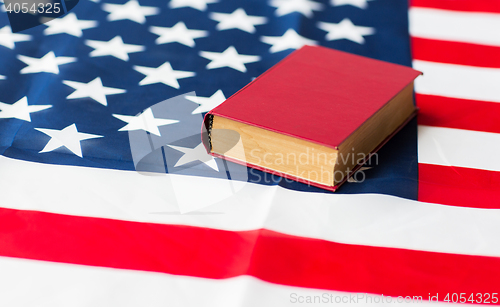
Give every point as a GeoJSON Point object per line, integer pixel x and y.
{"type": "Point", "coordinates": [82, 224]}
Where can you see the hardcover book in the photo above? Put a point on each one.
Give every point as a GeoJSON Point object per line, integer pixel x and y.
{"type": "Point", "coordinates": [314, 117]}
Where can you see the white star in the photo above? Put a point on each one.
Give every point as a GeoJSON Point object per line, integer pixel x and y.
{"type": "Point", "coordinates": [163, 74]}
{"type": "Point", "coordinates": [237, 20]}
{"type": "Point", "coordinates": [144, 121]}
{"type": "Point", "coordinates": [48, 63]}
{"type": "Point", "coordinates": [362, 4]}
{"type": "Point", "coordinates": [305, 7]}
{"type": "Point", "coordinates": [114, 47]}
{"type": "Point", "coordinates": [69, 24]}
{"type": "Point", "coordinates": [345, 29]}
{"type": "Point", "coordinates": [289, 40]}
{"type": "Point", "coordinates": [207, 103]}
{"type": "Point", "coordinates": [69, 137]}
{"type": "Point", "coordinates": [94, 89]}
{"type": "Point", "coordinates": [8, 39]}
{"type": "Point", "coordinates": [130, 10]}
{"type": "Point", "coordinates": [178, 33]}
{"type": "Point", "coordinates": [2, 77]}
{"type": "Point", "coordinates": [229, 58]}
{"type": "Point", "coordinates": [199, 153]}
{"type": "Point", "coordinates": [20, 109]}
{"type": "Point", "coordinates": [195, 4]}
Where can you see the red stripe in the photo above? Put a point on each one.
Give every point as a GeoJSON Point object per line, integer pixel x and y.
{"type": "Point", "coordinates": [455, 53]}
{"type": "Point", "coordinates": [458, 186]}
{"type": "Point", "coordinates": [458, 113]}
{"type": "Point", "coordinates": [487, 6]}
{"type": "Point", "coordinates": [267, 255]}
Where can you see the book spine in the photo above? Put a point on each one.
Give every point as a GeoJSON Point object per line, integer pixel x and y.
{"type": "Point", "coordinates": [206, 131]}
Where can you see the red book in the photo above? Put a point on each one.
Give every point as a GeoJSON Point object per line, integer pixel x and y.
{"type": "Point", "coordinates": [333, 109]}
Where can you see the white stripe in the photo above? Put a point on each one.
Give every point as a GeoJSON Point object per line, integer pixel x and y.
{"type": "Point", "coordinates": [457, 147]}
{"type": "Point", "coordinates": [477, 28]}
{"type": "Point", "coordinates": [458, 81]}
{"type": "Point", "coordinates": [366, 219]}
{"type": "Point", "coordinates": [45, 284]}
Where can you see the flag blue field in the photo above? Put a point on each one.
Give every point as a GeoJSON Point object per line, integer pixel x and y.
{"type": "Point", "coordinates": [93, 68]}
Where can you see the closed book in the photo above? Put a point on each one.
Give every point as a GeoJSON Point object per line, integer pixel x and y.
{"type": "Point", "coordinates": [314, 117]}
